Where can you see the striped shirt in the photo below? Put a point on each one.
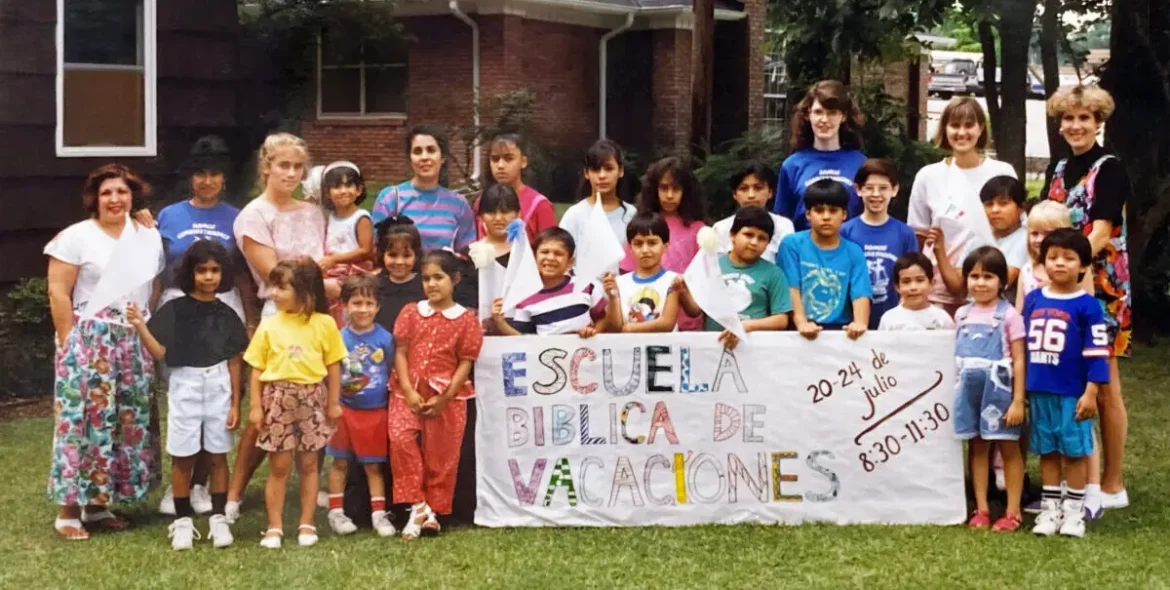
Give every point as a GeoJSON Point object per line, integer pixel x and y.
{"type": "Point", "coordinates": [559, 310]}
{"type": "Point", "coordinates": [442, 216]}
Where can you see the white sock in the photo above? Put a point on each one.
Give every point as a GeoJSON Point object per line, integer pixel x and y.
{"type": "Point", "coordinates": [1092, 489]}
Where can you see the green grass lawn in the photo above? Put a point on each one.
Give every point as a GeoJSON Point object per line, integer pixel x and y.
{"type": "Point", "coordinates": [1125, 550]}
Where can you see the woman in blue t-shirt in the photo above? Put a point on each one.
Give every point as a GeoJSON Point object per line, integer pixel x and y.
{"type": "Point", "coordinates": [826, 143]}
{"type": "Point", "coordinates": [202, 215]}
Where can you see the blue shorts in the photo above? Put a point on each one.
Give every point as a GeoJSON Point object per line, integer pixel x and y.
{"type": "Point", "coordinates": [1055, 428]}
{"type": "Point", "coordinates": [981, 405]}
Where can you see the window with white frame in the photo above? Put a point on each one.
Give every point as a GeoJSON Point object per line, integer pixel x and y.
{"type": "Point", "coordinates": [106, 78]}
{"type": "Point", "coordinates": [775, 91]}
{"type": "Point", "coordinates": [358, 79]}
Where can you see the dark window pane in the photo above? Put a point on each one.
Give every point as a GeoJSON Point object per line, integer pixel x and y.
{"type": "Point", "coordinates": [341, 91]}
{"type": "Point", "coordinates": [338, 49]}
{"type": "Point", "coordinates": [386, 52]}
{"type": "Point", "coordinates": [104, 108]}
{"type": "Point", "coordinates": [385, 89]}
{"type": "Point", "coordinates": [102, 31]}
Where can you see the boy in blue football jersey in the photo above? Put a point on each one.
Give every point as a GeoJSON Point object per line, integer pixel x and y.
{"type": "Point", "coordinates": [1068, 353]}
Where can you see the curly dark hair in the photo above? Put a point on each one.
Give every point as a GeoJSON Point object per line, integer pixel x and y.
{"type": "Point", "coordinates": [693, 206]}
{"type": "Point", "coordinates": [139, 189]}
{"type": "Point", "coordinates": [198, 253]}
{"type": "Point", "coordinates": [832, 95]}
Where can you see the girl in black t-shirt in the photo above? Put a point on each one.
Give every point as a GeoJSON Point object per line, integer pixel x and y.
{"type": "Point", "coordinates": [399, 254]}
{"type": "Point", "coordinates": [202, 340]}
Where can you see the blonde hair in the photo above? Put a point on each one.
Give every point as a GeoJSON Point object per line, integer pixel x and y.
{"type": "Point", "coordinates": [1098, 101]}
{"type": "Point", "coordinates": [1049, 215]}
{"type": "Point", "coordinates": [272, 144]}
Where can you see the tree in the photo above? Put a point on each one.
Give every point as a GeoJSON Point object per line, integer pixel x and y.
{"type": "Point", "coordinates": [1010, 23]}
{"type": "Point", "coordinates": [1138, 76]}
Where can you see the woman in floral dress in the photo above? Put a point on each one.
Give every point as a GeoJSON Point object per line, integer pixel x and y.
{"type": "Point", "coordinates": [1094, 186]}
{"type": "Point", "coordinates": [102, 438]}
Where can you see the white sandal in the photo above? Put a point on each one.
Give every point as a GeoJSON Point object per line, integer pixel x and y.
{"type": "Point", "coordinates": [306, 539]}
{"type": "Point", "coordinates": [71, 523]}
{"type": "Point", "coordinates": [420, 515]}
{"type": "Point", "coordinates": [271, 539]}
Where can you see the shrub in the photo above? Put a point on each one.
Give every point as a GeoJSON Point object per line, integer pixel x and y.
{"type": "Point", "coordinates": [26, 342]}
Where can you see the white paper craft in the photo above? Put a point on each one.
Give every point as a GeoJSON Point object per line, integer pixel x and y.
{"type": "Point", "coordinates": [705, 282]}
{"type": "Point", "coordinates": [521, 279]}
{"type": "Point", "coordinates": [598, 250]}
{"type": "Point", "coordinates": [137, 258]}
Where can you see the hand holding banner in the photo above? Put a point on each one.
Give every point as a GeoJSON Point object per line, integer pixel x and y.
{"type": "Point", "coordinates": [705, 282]}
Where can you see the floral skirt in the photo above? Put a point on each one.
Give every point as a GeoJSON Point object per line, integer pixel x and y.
{"type": "Point", "coordinates": [103, 452]}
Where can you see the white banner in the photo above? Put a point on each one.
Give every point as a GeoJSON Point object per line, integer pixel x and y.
{"type": "Point", "coordinates": [669, 429]}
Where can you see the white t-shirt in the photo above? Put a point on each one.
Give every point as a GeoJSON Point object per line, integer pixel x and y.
{"type": "Point", "coordinates": [1015, 247]}
{"type": "Point", "coordinates": [574, 219]}
{"type": "Point", "coordinates": [642, 299]}
{"type": "Point", "coordinates": [341, 234]}
{"type": "Point", "coordinates": [901, 319]}
{"type": "Point", "coordinates": [783, 227]}
{"type": "Point", "coordinates": [86, 246]}
{"type": "Point", "coordinates": [942, 190]}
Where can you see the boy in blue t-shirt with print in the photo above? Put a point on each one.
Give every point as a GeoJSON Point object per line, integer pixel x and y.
{"type": "Point", "coordinates": [1068, 354]}
{"type": "Point", "coordinates": [882, 238]}
{"type": "Point", "coordinates": [829, 276]}
{"type": "Point", "coordinates": [761, 290]}
{"type": "Point", "coordinates": [362, 433]}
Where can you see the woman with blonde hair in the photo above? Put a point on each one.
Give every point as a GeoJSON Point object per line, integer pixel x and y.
{"type": "Point", "coordinates": [1094, 186]}
{"type": "Point", "coordinates": [945, 209]}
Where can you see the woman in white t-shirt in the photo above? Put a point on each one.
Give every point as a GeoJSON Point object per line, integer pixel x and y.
{"type": "Point", "coordinates": [102, 436]}
{"type": "Point", "coordinates": [274, 227]}
{"type": "Point", "coordinates": [945, 210]}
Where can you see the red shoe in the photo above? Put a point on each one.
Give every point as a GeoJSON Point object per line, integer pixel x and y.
{"type": "Point", "coordinates": [980, 520]}
{"type": "Point", "coordinates": [1009, 523]}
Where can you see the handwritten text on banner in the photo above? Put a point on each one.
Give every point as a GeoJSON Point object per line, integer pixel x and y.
{"type": "Point", "coordinates": [669, 429]}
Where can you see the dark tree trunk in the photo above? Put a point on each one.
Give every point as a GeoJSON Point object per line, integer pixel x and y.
{"type": "Point", "coordinates": [1050, 39]}
{"type": "Point", "coordinates": [1138, 76]}
{"type": "Point", "coordinates": [702, 76]}
{"type": "Point", "coordinates": [990, 81]}
{"type": "Point", "coordinates": [1015, 32]}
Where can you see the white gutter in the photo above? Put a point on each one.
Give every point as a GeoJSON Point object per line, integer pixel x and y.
{"type": "Point", "coordinates": [603, 67]}
{"type": "Point", "coordinates": [477, 155]}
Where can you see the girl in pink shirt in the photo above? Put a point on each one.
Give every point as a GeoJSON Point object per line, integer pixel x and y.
{"type": "Point", "coordinates": [508, 162]}
{"type": "Point", "coordinates": [671, 189]}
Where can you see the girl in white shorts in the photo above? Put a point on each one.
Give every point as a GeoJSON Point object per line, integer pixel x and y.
{"type": "Point", "coordinates": [202, 340]}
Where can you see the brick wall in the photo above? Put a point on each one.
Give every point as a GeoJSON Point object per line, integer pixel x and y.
{"type": "Point", "coordinates": [671, 83]}
{"type": "Point", "coordinates": [557, 62]}
{"type": "Point", "coordinates": [895, 78]}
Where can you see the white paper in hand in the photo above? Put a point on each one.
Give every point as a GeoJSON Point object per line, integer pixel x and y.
{"type": "Point", "coordinates": [714, 297]}
{"type": "Point", "coordinates": [521, 279]}
{"type": "Point", "coordinates": [598, 250]}
{"type": "Point", "coordinates": [491, 286]}
{"type": "Point", "coordinates": [137, 258]}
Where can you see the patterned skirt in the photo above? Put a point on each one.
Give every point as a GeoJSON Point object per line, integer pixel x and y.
{"type": "Point", "coordinates": [103, 447]}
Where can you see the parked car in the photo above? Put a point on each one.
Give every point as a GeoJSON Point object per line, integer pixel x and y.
{"type": "Point", "coordinates": [950, 78]}
{"type": "Point", "coordinates": [975, 84]}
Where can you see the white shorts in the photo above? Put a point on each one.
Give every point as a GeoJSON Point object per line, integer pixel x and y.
{"type": "Point", "coordinates": [197, 409]}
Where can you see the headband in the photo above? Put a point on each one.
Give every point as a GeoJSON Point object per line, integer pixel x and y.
{"type": "Point", "coordinates": [340, 164]}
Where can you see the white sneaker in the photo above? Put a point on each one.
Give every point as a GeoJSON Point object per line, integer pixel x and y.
{"type": "Point", "coordinates": [167, 506]}
{"type": "Point", "coordinates": [200, 500]}
{"type": "Point", "coordinates": [1050, 519]}
{"type": "Point", "coordinates": [382, 524]}
{"type": "Point", "coordinates": [1115, 501]}
{"type": "Point", "coordinates": [182, 533]}
{"type": "Point", "coordinates": [1073, 514]}
{"type": "Point", "coordinates": [323, 500]}
{"type": "Point", "coordinates": [231, 512]}
{"type": "Point", "coordinates": [340, 523]}
{"type": "Point", "coordinates": [219, 532]}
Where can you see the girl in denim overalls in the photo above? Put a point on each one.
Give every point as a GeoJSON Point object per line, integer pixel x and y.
{"type": "Point", "coordinates": [989, 394]}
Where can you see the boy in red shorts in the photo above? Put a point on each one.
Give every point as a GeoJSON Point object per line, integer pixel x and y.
{"type": "Point", "coordinates": [362, 431]}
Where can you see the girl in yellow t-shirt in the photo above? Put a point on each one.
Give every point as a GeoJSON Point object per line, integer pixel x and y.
{"type": "Point", "coordinates": [295, 389]}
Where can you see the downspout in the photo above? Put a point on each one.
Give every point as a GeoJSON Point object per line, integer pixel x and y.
{"type": "Point", "coordinates": [476, 154]}
{"type": "Point", "coordinates": [602, 79]}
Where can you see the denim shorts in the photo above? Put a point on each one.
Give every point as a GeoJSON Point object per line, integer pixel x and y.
{"type": "Point", "coordinates": [981, 405]}
{"type": "Point", "coordinates": [1055, 428]}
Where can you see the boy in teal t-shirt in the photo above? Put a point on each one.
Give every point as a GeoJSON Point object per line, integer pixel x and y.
{"type": "Point", "coordinates": [831, 287]}
{"type": "Point", "coordinates": [760, 287]}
